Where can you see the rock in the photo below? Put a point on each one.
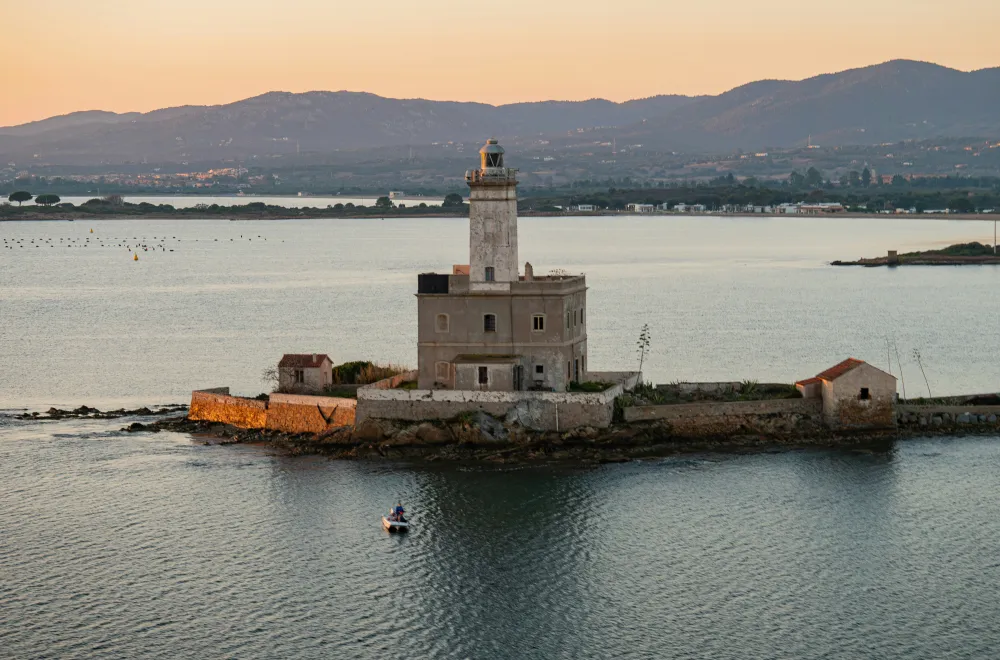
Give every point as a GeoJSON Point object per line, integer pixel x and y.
{"type": "Point", "coordinates": [337, 436]}
{"type": "Point", "coordinates": [964, 418]}
{"type": "Point", "coordinates": [992, 419]}
{"type": "Point", "coordinates": [429, 434]}
{"type": "Point", "coordinates": [492, 429]}
{"type": "Point", "coordinates": [937, 420]}
{"type": "Point", "coordinates": [370, 430]}
{"type": "Point", "coordinates": [136, 427]}
{"type": "Point", "coordinates": [404, 438]}
{"type": "Point", "coordinates": [982, 419]}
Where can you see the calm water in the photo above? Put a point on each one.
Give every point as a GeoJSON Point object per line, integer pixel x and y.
{"type": "Point", "coordinates": [156, 546]}
{"type": "Point", "coordinates": [152, 546]}
{"type": "Point", "coordinates": [725, 298]}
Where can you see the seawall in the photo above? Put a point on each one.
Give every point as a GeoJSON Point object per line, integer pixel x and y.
{"type": "Point", "coordinates": [539, 411]}
{"type": "Point", "coordinates": [714, 419]}
{"type": "Point", "coordinates": [286, 413]}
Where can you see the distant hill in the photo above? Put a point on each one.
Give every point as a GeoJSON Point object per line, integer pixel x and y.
{"type": "Point", "coordinates": [884, 103]}
{"type": "Point", "coordinates": [281, 122]}
{"type": "Point", "coordinates": [888, 102]}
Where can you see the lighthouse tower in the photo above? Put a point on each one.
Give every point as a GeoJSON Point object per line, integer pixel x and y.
{"type": "Point", "coordinates": [493, 261]}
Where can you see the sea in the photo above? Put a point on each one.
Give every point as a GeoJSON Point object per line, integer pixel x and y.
{"type": "Point", "coordinates": [118, 545]}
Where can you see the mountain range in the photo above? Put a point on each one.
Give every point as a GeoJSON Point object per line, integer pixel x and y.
{"type": "Point", "coordinates": [883, 103]}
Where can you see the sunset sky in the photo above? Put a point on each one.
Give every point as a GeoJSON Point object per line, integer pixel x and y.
{"type": "Point", "coordinates": [140, 55]}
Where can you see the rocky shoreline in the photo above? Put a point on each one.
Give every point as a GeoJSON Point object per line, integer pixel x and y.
{"type": "Point", "coordinates": [93, 413]}
{"type": "Point", "coordinates": [482, 439]}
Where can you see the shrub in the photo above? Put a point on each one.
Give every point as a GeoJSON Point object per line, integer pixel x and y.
{"type": "Point", "coordinates": [363, 372]}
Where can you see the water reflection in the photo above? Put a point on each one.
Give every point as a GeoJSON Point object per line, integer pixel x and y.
{"type": "Point", "coordinates": [118, 545]}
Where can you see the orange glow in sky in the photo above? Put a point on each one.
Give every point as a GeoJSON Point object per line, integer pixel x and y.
{"type": "Point", "coordinates": [146, 54]}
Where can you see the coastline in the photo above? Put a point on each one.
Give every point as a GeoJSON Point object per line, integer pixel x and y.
{"type": "Point", "coordinates": [293, 214]}
{"type": "Point", "coordinates": [475, 443]}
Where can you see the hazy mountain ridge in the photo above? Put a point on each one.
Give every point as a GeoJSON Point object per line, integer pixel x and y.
{"type": "Point", "coordinates": [882, 103]}
{"type": "Point", "coordinates": [887, 102]}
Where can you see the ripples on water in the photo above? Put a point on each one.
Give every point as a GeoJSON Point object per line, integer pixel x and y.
{"type": "Point", "coordinates": [153, 546]}
{"type": "Point", "coordinates": [725, 298]}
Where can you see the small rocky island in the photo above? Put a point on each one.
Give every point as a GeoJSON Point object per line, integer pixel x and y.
{"type": "Point", "coordinates": [961, 254]}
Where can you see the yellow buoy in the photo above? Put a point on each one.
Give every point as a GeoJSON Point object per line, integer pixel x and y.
{"type": "Point", "coordinates": [91, 231]}
{"type": "Point", "coordinates": [135, 257]}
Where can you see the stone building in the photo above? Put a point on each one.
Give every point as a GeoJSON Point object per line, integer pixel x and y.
{"type": "Point", "coordinates": [301, 373]}
{"type": "Point", "coordinates": [855, 395]}
{"type": "Point", "coordinates": [488, 326]}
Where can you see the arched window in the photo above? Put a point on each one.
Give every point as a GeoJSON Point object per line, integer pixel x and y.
{"type": "Point", "coordinates": [442, 371]}
{"type": "Point", "coordinates": [442, 323]}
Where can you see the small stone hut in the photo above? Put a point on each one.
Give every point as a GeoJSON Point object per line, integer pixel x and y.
{"type": "Point", "coordinates": [855, 395]}
{"type": "Point", "coordinates": [304, 373]}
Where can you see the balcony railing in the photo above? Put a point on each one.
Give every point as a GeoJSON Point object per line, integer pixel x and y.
{"type": "Point", "coordinates": [492, 175]}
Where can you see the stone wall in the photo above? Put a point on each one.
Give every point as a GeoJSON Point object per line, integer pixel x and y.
{"type": "Point", "coordinates": [289, 413]}
{"type": "Point", "coordinates": [543, 411]}
{"type": "Point", "coordinates": [296, 413]}
{"type": "Point", "coordinates": [938, 416]}
{"type": "Point", "coordinates": [735, 417]}
{"type": "Point", "coordinates": [233, 410]}
{"type": "Point", "coordinates": [391, 383]}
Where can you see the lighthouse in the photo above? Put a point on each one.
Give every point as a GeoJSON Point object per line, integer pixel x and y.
{"type": "Point", "coordinates": [488, 327]}
{"type": "Point", "coordinates": [493, 262]}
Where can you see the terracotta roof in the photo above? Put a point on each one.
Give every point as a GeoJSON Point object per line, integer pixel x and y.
{"type": "Point", "coordinates": [839, 370]}
{"type": "Point", "coordinates": [809, 381]}
{"type": "Point", "coordinates": [303, 361]}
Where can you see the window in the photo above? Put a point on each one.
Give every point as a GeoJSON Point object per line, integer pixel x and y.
{"type": "Point", "coordinates": [493, 160]}
{"type": "Point", "coordinates": [581, 316]}
{"type": "Point", "coordinates": [442, 323]}
{"type": "Point", "coordinates": [484, 376]}
{"type": "Point", "coordinates": [490, 323]}
{"type": "Point", "coordinates": [576, 317]}
{"type": "Point", "coordinates": [864, 396]}
{"type": "Point", "coordinates": [569, 320]}
{"type": "Point", "coordinates": [569, 371]}
{"type": "Point", "coordinates": [538, 323]}
{"type": "Point", "coordinates": [300, 376]}
{"type": "Point", "coordinates": [442, 371]}
{"type": "Point", "coordinates": [540, 369]}
{"type": "Point", "coordinates": [490, 274]}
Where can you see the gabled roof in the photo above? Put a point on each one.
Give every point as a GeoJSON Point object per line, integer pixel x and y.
{"type": "Point", "coordinates": [839, 370]}
{"type": "Point", "coordinates": [303, 361]}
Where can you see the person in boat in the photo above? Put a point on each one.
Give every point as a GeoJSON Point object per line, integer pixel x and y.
{"type": "Point", "coordinates": [398, 513]}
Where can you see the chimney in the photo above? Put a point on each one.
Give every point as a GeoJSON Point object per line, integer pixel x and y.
{"type": "Point", "coordinates": [529, 272]}
{"type": "Point", "coordinates": [314, 358]}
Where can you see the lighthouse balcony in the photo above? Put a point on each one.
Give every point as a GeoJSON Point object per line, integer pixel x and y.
{"type": "Point", "coordinates": [492, 175]}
